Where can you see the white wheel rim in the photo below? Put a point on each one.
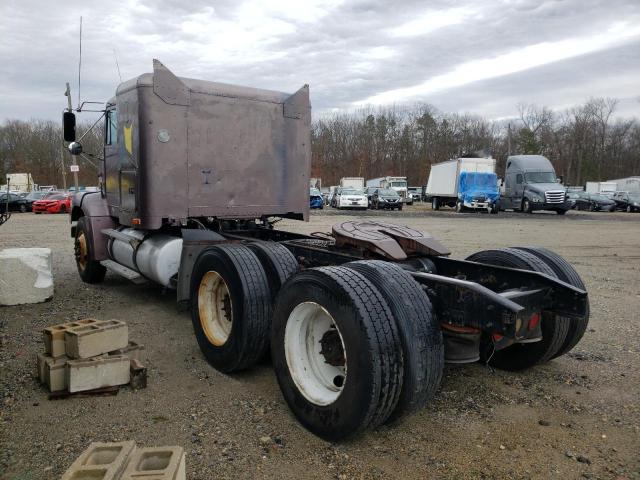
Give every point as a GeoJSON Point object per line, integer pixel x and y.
{"type": "Point", "coordinates": [215, 308]}
{"type": "Point", "coordinates": [310, 329]}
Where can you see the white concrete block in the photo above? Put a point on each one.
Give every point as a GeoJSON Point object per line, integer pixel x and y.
{"type": "Point", "coordinates": [92, 373]}
{"type": "Point", "coordinates": [157, 463]}
{"type": "Point", "coordinates": [103, 461]}
{"type": "Point", "coordinates": [25, 275]}
{"type": "Point", "coordinates": [95, 339]}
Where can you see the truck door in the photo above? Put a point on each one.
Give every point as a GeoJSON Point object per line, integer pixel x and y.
{"type": "Point", "coordinates": [516, 199]}
{"type": "Point", "coordinates": [111, 161]}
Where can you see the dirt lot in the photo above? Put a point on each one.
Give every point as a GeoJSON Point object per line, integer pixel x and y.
{"type": "Point", "coordinates": [576, 417]}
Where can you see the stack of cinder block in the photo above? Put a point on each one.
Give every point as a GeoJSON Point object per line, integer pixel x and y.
{"type": "Point", "coordinates": [89, 354]}
{"type": "Point", "coordinates": [123, 461]}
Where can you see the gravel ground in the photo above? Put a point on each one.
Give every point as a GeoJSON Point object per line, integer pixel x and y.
{"type": "Point", "coordinates": [575, 417]}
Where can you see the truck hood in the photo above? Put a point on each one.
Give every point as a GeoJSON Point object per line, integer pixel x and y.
{"type": "Point", "coordinates": [545, 187]}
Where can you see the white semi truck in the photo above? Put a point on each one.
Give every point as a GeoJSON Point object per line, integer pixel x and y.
{"type": "Point", "coordinates": [464, 183]}
{"type": "Point", "coordinates": [399, 184]}
{"type": "Point", "coordinates": [606, 188]}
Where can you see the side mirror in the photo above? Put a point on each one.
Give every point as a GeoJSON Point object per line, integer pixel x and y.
{"type": "Point", "coordinates": [560, 179]}
{"type": "Point", "coordinates": [69, 126]}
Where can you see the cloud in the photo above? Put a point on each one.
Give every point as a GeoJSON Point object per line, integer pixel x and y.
{"type": "Point", "coordinates": [458, 55]}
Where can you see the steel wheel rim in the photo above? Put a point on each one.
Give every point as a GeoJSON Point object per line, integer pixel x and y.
{"type": "Point", "coordinates": [215, 308]}
{"type": "Point", "coordinates": [312, 340]}
{"type": "Point", "coordinates": [82, 252]}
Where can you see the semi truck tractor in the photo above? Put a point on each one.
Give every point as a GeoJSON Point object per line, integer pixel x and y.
{"type": "Point", "coordinates": [359, 320]}
{"type": "Point", "coordinates": [399, 184]}
{"type": "Point", "coordinates": [464, 183]}
{"type": "Point", "coordinates": [531, 184]}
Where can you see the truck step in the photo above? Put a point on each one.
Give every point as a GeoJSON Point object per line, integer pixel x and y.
{"type": "Point", "coordinates": [123, 271]}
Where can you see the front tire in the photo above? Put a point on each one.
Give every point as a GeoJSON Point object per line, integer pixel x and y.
{"type": "Point", "coordinates": [526, 206]}
{"type": "Point", "coordinates": [23, 208]}
{"type": "Point", "coordinates": [554, 331]}
{"type": "Point", "coordinates": [90, 271]}
{"type": "Point", "coordinates": [459, 206]}
{"type": "Point", "coordinates": [230, 307]}
{"type": "Point", "coordinates": [435, 205]}
{"type": "Point", "coordinates": [336, 352]}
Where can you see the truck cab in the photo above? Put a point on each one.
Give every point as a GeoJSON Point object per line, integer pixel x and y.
{"type": "Point", "coordinates": [531, 184]}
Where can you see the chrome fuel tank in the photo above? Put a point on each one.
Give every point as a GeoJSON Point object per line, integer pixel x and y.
{"type": "Point", "coordinates": [157, 256]}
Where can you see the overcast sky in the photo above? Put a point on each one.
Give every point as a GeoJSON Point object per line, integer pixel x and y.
{"type": "Point", "coordinates": [477, 57]}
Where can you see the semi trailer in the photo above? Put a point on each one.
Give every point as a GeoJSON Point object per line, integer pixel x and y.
{"type": "Point", "coordinates": [359, 321]}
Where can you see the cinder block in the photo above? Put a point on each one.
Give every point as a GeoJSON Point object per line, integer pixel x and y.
{"type": "Point", "coordinates": [101, 461]}
{"type": "Point", "coordinates": [132, 351]}
{"type": "Point", "coordinates": [26, 276]}
{"type": "Point", "coordinates": [54, 373]}
{"type": "Point", "coordinates": [53, 336]}
{"type": "Point", "coordinates": [91, 373]}
{"type": "Point", "coordinates": [95, 339]}
{"type": "Point", "coordinates": [156, 463]}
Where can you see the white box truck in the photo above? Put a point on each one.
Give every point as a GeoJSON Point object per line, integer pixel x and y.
{"type": "Point", "coordinates": [627, 184]}
{"type": "Point", "coordinates": [464, 183]}
{"type": "Point", "coordinates": [352, 182]}
{"type": "Point", "coordinates": [399, 184]}
{"type": "Point", "coordinates": [606, 188]}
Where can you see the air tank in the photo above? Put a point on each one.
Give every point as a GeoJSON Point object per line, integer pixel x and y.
{"type": "Point", "coordinates": [157, 256]}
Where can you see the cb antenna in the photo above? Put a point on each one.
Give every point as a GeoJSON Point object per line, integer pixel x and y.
{"type": "Point", "coordinates": [80, 62]}
{"type": "Point", "coordinates": [115, 55]}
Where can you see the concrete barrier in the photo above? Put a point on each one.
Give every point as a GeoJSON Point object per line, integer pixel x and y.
{"type": "Point", "coordinates": [26, 276]}
{"type": "Point", "coordinates": [92, 373]}
{"type": "Point", "coordinates": [157, 463]}
{"type": "Point", "coordinates": [95, 339]}
{"type": "Point", "coordinates": [101, 461]}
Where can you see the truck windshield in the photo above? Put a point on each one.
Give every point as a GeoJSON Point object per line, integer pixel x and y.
{"type": "Point", "coordinates": [399, 184]}
{"type": "Point", "coordinates": [540, 177]}
{"type": "Point", "coordinates": [387, 192]}
{"type": "Point", "coordinates": [352, 191]}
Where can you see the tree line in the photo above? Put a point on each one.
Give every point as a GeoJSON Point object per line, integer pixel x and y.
{"type": "Point", "coordinates": [586, 142]}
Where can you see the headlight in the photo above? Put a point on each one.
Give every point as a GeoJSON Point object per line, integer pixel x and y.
{"type": "Point", "coordinates": [535, 197]}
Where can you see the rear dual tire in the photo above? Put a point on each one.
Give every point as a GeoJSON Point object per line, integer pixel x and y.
{"type": "Point", "coordinates": [336, 352]}
{"type": "Point", "coordinates": [554, 330]}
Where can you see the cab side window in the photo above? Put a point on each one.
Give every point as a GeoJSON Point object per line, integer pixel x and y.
{"type": "Point", "coordinates": [111, 137]}
{"type": "Point", "coordinates": [519, 179]}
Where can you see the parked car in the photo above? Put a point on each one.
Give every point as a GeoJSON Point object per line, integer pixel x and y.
{"type": "Point", "coordinates": [315, 199]}
{"type": "Point", "coordinates": [415, 193]}
{"type": "Point", "coordinates": [594, 202]}
{"type": "Point", "coordinates": [56, 203]}
{"type": "Point", "coordinates": [572, 197]}
{"type": "Point", "coordinates": [350, 198]}
{"type": "Point", "coordinates": [34, 196]}
{"type": "Point", "coordinates": [16, 203]}
{"type": "Point", "coordinates": [386, 198]}
{"type": "Point", "coordinates": [627, 201]}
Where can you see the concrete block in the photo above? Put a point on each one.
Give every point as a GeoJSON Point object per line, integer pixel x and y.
{"type": "Point", "coordinates": [55, 374]}
{"type": "Point", "coordinates": [101, 461]}
{"type": "Point", "coordinates": [26, 276]}
{"type": "Point", "coordinates": [53, 336]}
{"type": "Point", "coordinates": [132, 351]}
{"type": "Point", "coordinates": [91, 373]}
{"type": "Point", "coordinates": [156, 463]}
{"type": "Point", "coordinates": [95, 339]}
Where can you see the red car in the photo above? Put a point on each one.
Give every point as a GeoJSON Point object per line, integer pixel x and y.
{"type": "Point", "coordinates": [56, 203]}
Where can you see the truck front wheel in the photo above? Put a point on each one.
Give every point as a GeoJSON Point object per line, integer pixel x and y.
{"type": "Point", "coordinates": [554, 330]}
{"type": "Point", "coordinates": [526, 206]}
{"type": "Point", "coordinates": [90, 270]}
{"type": "Point", "coordinates": [230, 307]}
{"type": "Point", "coordinates": [336, 352]}
{"type": "Point", "coordinates": [435, 205]}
